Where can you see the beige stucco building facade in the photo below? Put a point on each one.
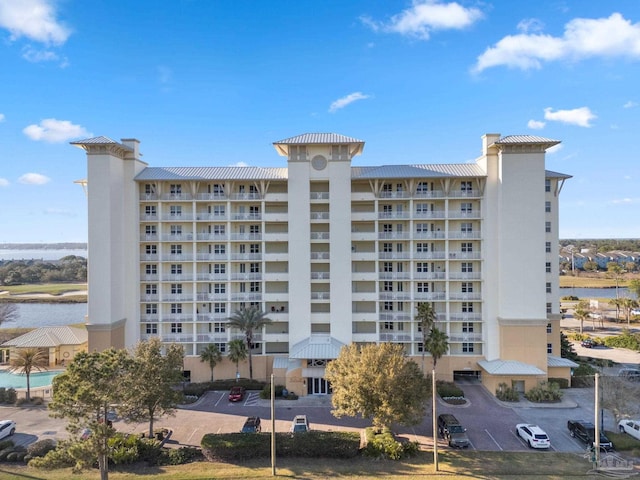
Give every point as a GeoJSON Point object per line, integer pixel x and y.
{"type": "Point", "coordinates": [334, 254]}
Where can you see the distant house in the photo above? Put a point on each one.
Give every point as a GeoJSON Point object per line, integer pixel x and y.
{"type": "Point", "coordinates": [62, 343]}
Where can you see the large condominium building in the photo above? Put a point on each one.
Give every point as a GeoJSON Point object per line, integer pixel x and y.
{"type": "Point", "coordinates": [334, 254]}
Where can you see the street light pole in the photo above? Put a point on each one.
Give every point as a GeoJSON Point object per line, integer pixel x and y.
{"type": "Point", "coordinates": [273, 428]}
{"type": "Point", "coordinates": [435, 421]}
{"type": "Point", "coordinates": [596, 443]}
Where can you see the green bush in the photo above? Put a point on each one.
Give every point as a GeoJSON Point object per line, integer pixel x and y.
{"type": "Point", "coordinates": [40, 448]}
{"type": "Point", "coordinates": [10, 395]}
{"type": "Point", "coordinates": [198, 389]}
{"type": "Point", "coordinates": [3, 393]}
{"type": "Point", "coordinates": [448, 389]}
{"type": "Point", "coordinates": [382, 444]}
{"type": "Point", "coordinates": [570, 298]}
{"type": "Point", "coordinates": [5, 444]}
{"type": "Point", "coordinates": [583, 376]}
{"type": "Point", "coordinates": [124, 448]}
{"type": "Point", "coordinates": [265, 393]}
{"type": "Point", "coordinates": [546, 392]}
{"type": "Point", "coordinates": [627, 340]}
{"type": "Point", "coordinates": [561, 382]}
{"type": "Point", "coordinates": [179, 456]}
{"type": "Point", "coordinates": [5, 452]}
{"type": "Point", "coordinates": [59, 457]}
{"type": "Point", "coordinates": [506, 393]}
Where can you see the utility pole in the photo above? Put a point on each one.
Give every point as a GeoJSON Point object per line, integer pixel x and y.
{"type": "Point", "coordinates": [273, 428]}
{"type": "Point", "coordinates": [435, 420]}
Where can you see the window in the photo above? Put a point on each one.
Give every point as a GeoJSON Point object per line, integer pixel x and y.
{"type": "Point", "coordinates": [467, 347]}
{"type": "Point", "coordinates": [422, 208]}
{"type": "Point", "coordinates": [467, 327]}
{"type": "Point", "coordinates": [176, 269]}
{"type": "Point", "coordinates": [549, 307]}
{"type": "Point", "coordinates": [254, 248]}
{"type": "Point", "coordinates": [387, 267]}
{"type": "Point", "coordinates": [176, 288]}
{"type": "Point", "coordinates": [150, 210]}
{"type": "Point", "coordinates": [219, 211]}
{"type": "Point", "coordinates": [466, 207]}
{"type": "Point", "coordinates": [466, 267]}
{"type": "Point", "coordinates": [387, 228]}
{"type": "Point", "coordinates": [467, 307]}
{"type": "Point", "coordinates": [548, 267]}
{"type": "Point", "coordinates": [466, 247]}
{"type": "Point", "coordinates": [547, 207]}
{"type": "Point", "coordinates": [387, 286]}
{"type": "Point", "coordinates": [219, 308]}
{"type": "Point", "coordinates": [548, 287]}
{"type": "Point", "coordinates": [386, 189]}
{"type": "Point", "coordinates": [465, 186]}
{"type": "Point", "coordinates": [151, 249]}
{"type": "Point", "coordinates": [218, 229]}
{"type": "Point", "coordinates": [219, 249]}
{"type": "Point", "coordinates": [219, 268]}
{"type": "Point", "coordinates": [387, 326]}
{"type": "Point", "coordinates": [422, 227]}
{"type": "Point", "coordinates": [547, 227]}
{"type": "Point", "coordinates": [176, 328]}
{"type": "Point", "coordinates": [549, 328]}
{"type": "Point", "coordinates": [467, 287]}
{"type": "Point", "coordinates": [387, 247]}
{"type": "Point", "coordinates": [549, 348]}
{"type": "Point", "coordinates": [151, 328]}
{"type": "Point", "coordinates": [176, 249]}
{"type": "Point", "coordinates": [149, 188]}
{"type": "Point", "coordinates": [254, 286]}
{"type": "Point", "coordinates": [466, 227]}
{"type": "Point", "coordinates": [422, 287]}
{"type": "Point", "coordinates": [422, 247]}
{"type": "Point", "coordinates": [175, 189]}
{"type": "Point", "coordinates": [254, 211]}
{"type": "Point", "coordinates": [219, 288]}
{"type": "Point", "coordinates": [175, 211]}
{"type": "Point", "coordinates": [151, 289]}
{"type": "Point", "coordinates": [176, 308]}
{"type": "Point", "coordinates": [422, 267]}
{"type": "Point", "coordinates": [547, 185]}
{"type": "Point", "coordinates": [254, 229]}
{"type": "Point", "coordinates": [401, 306]}
{"type": "Point", "coordinates": [150, 230]}
{"type": "Point", "coordinates": [423, 187]}
{"type": "Point", "coordinates": [175, 229]}
{"type": "Point", "coordinates": [387, 210]}
{"type": "Point", "coordinates": [218, 190]}
{"type": "Point", "coordinates": [219, 327]}
{"type": "Point", "coordinates": [151, 308]}
{"type": "Point", "coordinates": [150, 269]}
{"type": "Point", "coordinates": [547, 247]}
{"type": "Point", "coordinates": [387, 306]}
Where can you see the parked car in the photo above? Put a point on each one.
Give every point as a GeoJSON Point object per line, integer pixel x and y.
{"type": "Point", "coordinates": [7, 428]}
{"type": "Point", "coordinates": [631, 374]}
{"type": "Point", "coordinates": [586, 432]}
{"type": "Point", "coordinates": [300, 424]}
{"type": "Point", "coordinates": [635, 311]}
{"type": "Point", "coordinates": [236, 394]}
{"type": "Point", "coordinates": [533, 435]}
{"type": "Point", "coordinates": [252, 425]}
{"type": "Point", "coordinates": [587, 343]}
{"type": "Point", "coordinates": [632, 427]}
{"type": "Point", "coordinates": [450, 429]}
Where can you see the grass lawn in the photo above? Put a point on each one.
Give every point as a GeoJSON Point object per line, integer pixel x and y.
{"type": "Point", "coordinates": [44, 288]}
{"type": "Point", "coordinates": [452, 465]}
{"type": "Point", "coordinates": [588, 282]}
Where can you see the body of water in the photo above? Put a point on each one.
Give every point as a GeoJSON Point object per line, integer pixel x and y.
{"type": "Point", "coordinates": [39, 379]}
{"type": "Point", "coordinates": [40, 254]}
{"type": "Point", "coordinates": [33, 315]}
{"type": "Point", "coordinates": [593, 292]}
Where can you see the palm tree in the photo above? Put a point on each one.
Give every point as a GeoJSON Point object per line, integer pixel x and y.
{"type": "Point", "coordinates": [237, 353]}
{"type": "Point", "coordinates": [615, 271]}
{"type": "Point", "coordinates": [27, 360]}
{"type": "Point", "coordinates": [437, 344]}
{"type": "Point", "coordinates": [627, 305]}
{"type": "Point", "coordinates": [581, 312]}
{"type": "Point", "coordinates": [212, 355]}
{"type": "Point", "coordinates": [426, 318]}
{"type": "Point", "coordinates": [249, 321]}
{"type": "Point", "coordinates": [616, 302]}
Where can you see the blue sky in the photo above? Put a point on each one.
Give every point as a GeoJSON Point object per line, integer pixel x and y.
{"type": "Point", "coordinates": [205, 82]}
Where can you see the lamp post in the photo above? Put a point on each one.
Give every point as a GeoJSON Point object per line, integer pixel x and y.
{"type": "Point", "coordinates": [273, 428]}
{"type": "Point", "coordinates": [435, 421]}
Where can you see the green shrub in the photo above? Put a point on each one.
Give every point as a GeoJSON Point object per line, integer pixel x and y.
{"type": "Point", "coordinates": [561, 382]}
{"type": "Point", "coordinates": [179, 456]}
{"type": "Point", "coordinates": [626, 339]}
{"type": "Point", "coordinates": [3, 393]}
{"type": "Point", "coordinates": [40, 448]}
{"type": "Point", "coordinates": [59, 457]}
{"type": "Point", "coordinates": [382, 444]}
{"type": "Point", "coordinates": [506, 393]}
{"type": "Point", "coordinates": [5, 452]}
{"type": "Point", "coordinates": [6, 444]}
{"type": "Point", "coordinates": [123, 448]}
{"type": "Point", "coordinates": [546, 392]}
{"type": "Point", "coordinates": [198, 389]}
{"type": "Point", "coordinates": [265, 393]}
{"type": "Point", "coordinates": [583, 376]}
{"type": "Point", "coordinates": [448, 389]}
{"type": "Point", "coordinates": [10, 395]}
{"type": "Point", "coordinates": [570, 298]}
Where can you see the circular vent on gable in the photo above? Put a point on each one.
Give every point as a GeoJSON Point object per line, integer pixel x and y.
{"type": "Point", "coordinates": [319, 162]}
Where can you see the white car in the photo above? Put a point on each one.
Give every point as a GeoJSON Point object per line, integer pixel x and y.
{"type": "Point", "coordinates": [635, 311]}
{"type": "Point", "coordinates": [300, 424]}
{"type": "Point", "coordinates": [533, 435]}
{"type": "Point", "coordinates": [7, 428]}
{"type": "Point", "coordinates": [632, 427]}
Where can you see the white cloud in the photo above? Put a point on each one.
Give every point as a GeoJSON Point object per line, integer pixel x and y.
{"type": "Point", "coordinates": [630, 104]}
{"type": "Point", "coordinates": [625, 201]}
{"type": "Point", "coordinates": [555, 149]}
{"type": "Point", "coordinates": [530, 25]}
{"type": "Point", "coordinates": [426, 16]}
{"type": "Point", "coordinates": [239, 164]}
{"type": "Point", "coordinates": [536, 124]}
{"type": "Point", "coordinates": [583, 38]}
{"type": "Point", "coordinates": [2, 117]}
{"type": "Point", "coordinates": [55, 131]}
{"type": "Point", "coordinates": [34, 55]}
{"type": "Point", "coordinates": [344, 101]}
{"type": "Point", "coordinates": [4, 182]}
{"type": "Point", "coordinates": [578, 116]}
{"type": "Point", "coordinates": [59, 212]}
{"type": "Point", "coordinates": [33, 19]}
{"type": "Point", "coordinates": [34, 179]}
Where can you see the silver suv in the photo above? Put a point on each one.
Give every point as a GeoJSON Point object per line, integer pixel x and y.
{"type": "Point", "coordinates": [450, 429]}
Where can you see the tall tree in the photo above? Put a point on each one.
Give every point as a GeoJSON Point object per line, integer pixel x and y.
{"type": "Point", "coordinates": [615, 271]}
{"type": "Point", "coordinates": [379, 383]}
{"type": "Point", "coordinates": [152, 380]}
{"type": "Point", "coordinates": [26, 360]}
{"type": "Point", "coordinates": [425, 318]}
{"type": "Point", "coordinates": [237, 353]}
{"type": "Point", "coordinates": [581, 313]}
{"type": "Point", "coordinates": [91, 386]}
{"type": "Point", "coordinates": [566, 348]}
{"type": "Point", "coordinates": [616, 302]}
{"type": "Point", "coordinates": [634, 287]}
{"type": "Point", "coordinates": [437, 344]}
{"type": "Point", "coordinates": [620, 397]}
{"type": "Point", "coordinates": [211, 354]}
{"type": "Point", "coordinates": [249, 321]}
{"type": "Point", "coordinates": [8, 312]}
{"type": "Point", "coordinates": [628, 304]}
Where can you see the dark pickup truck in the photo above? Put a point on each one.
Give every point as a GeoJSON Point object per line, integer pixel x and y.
{"type": "Point", "coordinates": [586, 432]}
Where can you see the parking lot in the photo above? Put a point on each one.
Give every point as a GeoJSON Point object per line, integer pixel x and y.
{"type": "Point", "coordinates": [490, 424]}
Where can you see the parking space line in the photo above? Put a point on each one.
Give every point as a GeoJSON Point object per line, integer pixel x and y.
{"type": "Point", "coordinates": [220, 399]}
{"type": "Point", "coordinates": [191, 436]}
{"type": "Point", "coordinates": [494, 440]}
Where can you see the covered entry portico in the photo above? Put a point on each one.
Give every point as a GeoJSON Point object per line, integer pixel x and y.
{"type": "Point", "coordinates": [314, 353]}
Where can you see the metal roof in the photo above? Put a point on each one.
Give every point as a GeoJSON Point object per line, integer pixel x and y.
{"type": "Point", "coordinates": [212, 173]}
{"type": "Point", "coordinates": [49, 337]}
{"type": "Point", "coordinates": [317, 347]}
{"type": "Point", "coordinates": [509, 367]}
{"type": "Point", "coordinates": [317, 138]}
{"type": "Point", "coordinates": [512, 139]}
{"type": "Point", "coordinates": [95, 141]}
{"type": "Point", "coordinates": [419, 171]}
{"type": "Point", "coordinates": [553, 361]}
{"type": "Point", "coordinates": [552, 174]}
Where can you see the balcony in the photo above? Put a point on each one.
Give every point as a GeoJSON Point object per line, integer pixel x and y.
{"type": "Point", "coordinates": [150, 277]}
{"type": "Point", "coordinates": [211, 196]}
{"type": "Point", "coordinates": [210, 217]}
{"type": "Point", "coordinates": [177, 257]}
{"type": "Point", "coordinates": [178, 277]}
{"type": "Point", "coordinates": [212, 277]}
{"type": "Point", "coordinates": [429, 235]}
{"type": "Point", "coordinates": [319, 216]}
{"type": "Point", "coordinates": [394, 275]}
{"type": "Point", "coordinates": [177, 237]}
{"type": "Point", "coordinates": [464, 255]}
{"type": "Point", "coordinates": [464, 193]}
{"type": "Point", "coordinates": [396, 296]}
{"type": "Point", "coordinates": [472, 214]}
{"type": "Point", "coordinates": [149, 237]}
{"type": "Point", "coordinates": [246, 196]}
{"type": "Point", "coordinates": [464, 235]}
{"type": "Point", "coordinates": [429, 296]}
{"type": "Point", "coordinates": [211, 297]}
{"type": "Point", "coordinates": [183, 217]}
{"type": "Point", "coordinates": [429, 276]}
{"type": "Point", "coordinates": [395, 337]}
{"type": "Point", "coordinates": [465, 317]}
{"type": "Point", "coordinates": [429, 214]}
{"type": "Point", "coordinates": [465, 337]}
{"type": "Point", "coordinates": [429, 194]}
{"type": "Point", "coordinates": [319, 235]}
{"type": "Point", "coordinates": [212, 237]}
{"type": "Point", "coordinates": [464, 276]}
{"type": "Point", "coordinates": [320, 275]}
{"type": "Point", "coordinates": [149, 297]}
{"type": "Point", "coordinates": [149, 257]}
{"type": "Point", "coordinates": [393, 236]}
{"type": "Point", "coordinates": [246, 216]}
{"type": "Point", "coordinates": [394, 255]}
{"type": "Point", "coordinates": [320, 296]}
{"type": "Point", "coordinates": [246, 237]}
{"type": "Point", "coordinates": [395, 317]}
{"type": "Point", "coordinates": [177, 298]}
{"type": "Point", "coordinates": [211, 338]}
{"type": "Point", "coordinates": [246, 297]}
{"type": "Point", "coordinates": [177, 338]}
{"type": "Point", "coordinates": [439, 255]}
{"type": "Point", "coordinates": [220, 257]}
{"type": "Point", "coordinates": [472, 296]}
{"type": "Point", "coordinates": [177, 196]}
{"type": "Point", "coordinates": [388, 194]}
{"type": "Point", "coordinates": [393, 215]}
{"type": "Point", "coordinates": [149, 218]}
{"type": "Point", "coordinates": [246, 256]}
{"type": "Point", "coordinates": [177, 318]}
{"type": "Point", "coordinates": [247, 277]}
{"type": "Point", "coordinates": [319, 196]}
{"type": "Point", "coordinates": [319, 256]}
{"type": "Point", "coordinates": [213, 317]}
{"type": "Point", "coordinates": [147, 197]}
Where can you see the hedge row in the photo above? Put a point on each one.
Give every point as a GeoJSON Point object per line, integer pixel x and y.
{"type": "Point", "coordinates": [313, 444]}
{"type": "Point", "coordinates": [198, 389]}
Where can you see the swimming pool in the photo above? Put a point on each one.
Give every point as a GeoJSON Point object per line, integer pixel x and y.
{"type": "Point", "coordinates": [39, 379]}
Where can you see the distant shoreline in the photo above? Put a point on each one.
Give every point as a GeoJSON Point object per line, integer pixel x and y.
{"type": "Point", "coordinates": [44, 246]}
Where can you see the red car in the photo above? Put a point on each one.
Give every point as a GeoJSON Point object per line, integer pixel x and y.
{"type": "Point", "coordinates": [236, 394]}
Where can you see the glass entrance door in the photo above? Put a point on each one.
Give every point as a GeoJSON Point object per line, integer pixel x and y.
{"type": "Point", "coordinates": [318, 386]}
